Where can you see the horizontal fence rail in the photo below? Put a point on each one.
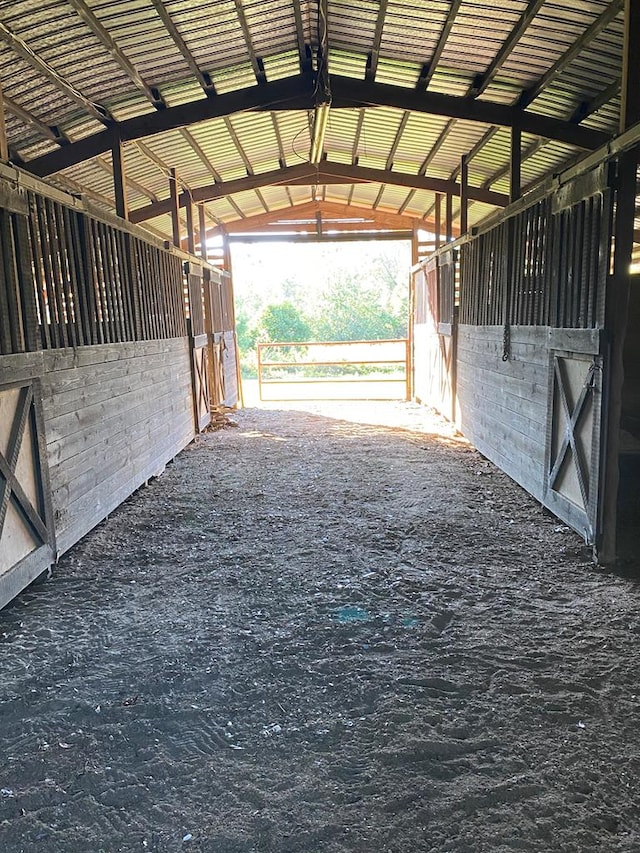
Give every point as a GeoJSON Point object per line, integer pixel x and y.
{"type": "Point", "coordinates": [308, 365]}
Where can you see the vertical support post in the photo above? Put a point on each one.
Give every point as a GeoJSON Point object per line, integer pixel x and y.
{"type": "Point", "coordinates": [438, 220]}
{"type": "Point", "coordinates": [4, 145]}
{"type": "Point", "coordinates": [464, 193]}
{"type": "Point", "coordinates": [119, 180]}
{"type": "Point", "coordinates": [617, 295]}
{"type": "Point", "coordinates": [515, 172]}
{"type": "Point", "coordinates": [449, 219]}
{"type": "Point", "coordinates": [415, 260]}
{"type": "Point", "coordinates": [191, 241]}
{"type": "Point", "coordinates": [407, 370]}
{"type": "Point", "coordinates": [175, 207]}
{"type": "Point", "coordinates": [202, 232]}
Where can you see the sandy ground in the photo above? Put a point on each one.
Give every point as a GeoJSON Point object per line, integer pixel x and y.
{"type": "Point", "coordinates": [322, 634]}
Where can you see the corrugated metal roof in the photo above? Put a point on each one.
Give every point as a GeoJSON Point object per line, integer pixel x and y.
{"type": "Point", "coordinates": [63, 61]}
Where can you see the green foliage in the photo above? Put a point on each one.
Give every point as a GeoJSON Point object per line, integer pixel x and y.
{"type": "Point", "coordinates": [351, 311]}
{"type": "Point", "coordinates": [282, 322]}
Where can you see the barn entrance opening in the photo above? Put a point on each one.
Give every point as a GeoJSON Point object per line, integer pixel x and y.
{"type": "Point", "coordinates": [324, 320]}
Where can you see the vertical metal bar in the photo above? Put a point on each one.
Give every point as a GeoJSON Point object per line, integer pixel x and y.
{"type": "Point", "coordinates": [438, 234]}
{"type": "Point", "coordinates": [56, 278]}
{"type": "Point", "coordinates": [39, 285]}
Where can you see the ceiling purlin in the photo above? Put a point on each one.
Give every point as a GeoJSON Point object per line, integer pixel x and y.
{"type": "Point", "coordinates": [276, 130]}
{"type": "Point", "coordinates": [521, 26]}
{"type": "Point", "coordinates": [50, 132]}
{"type": "Point", "coordinates": [602, 22]}
{"type": "Point", "coordinates": [262, 200]}
{"type": "Point", "coordinates": [256, 61]}
{"type": "Point", "coordinates": [396, 142]}
{"type": "Point", "coordinates": [238, 146]}
{"type": "Point", "coordinates": [356, 138]}
{"type": "Point", "coordinates": [587, 108]}
{"type": "Point", "coordinates": [374, 56]}
{"type": "Point", "coordinates": [304, 52]}
{"type": "Point", "coordinates": [437, 145]}
{"type": "Point", "coordinates": [136, 185]}
{"type": "Point", "coordinates": [166, 171]}
{"type": "Point", "coordinates": [197, 148]}
{"type": "Point", "coordinates": [25, 52]}
{"type": "Point", "coordinates": [527, 97]}
{"type": "Point", "coordinates": [202, 77]}
{"type": "Point", "coordinates": [109, 43]}
{"type": "Point", "coordinates": [429, 69]}
{"type": "Point", "coordinates": [378, 197]}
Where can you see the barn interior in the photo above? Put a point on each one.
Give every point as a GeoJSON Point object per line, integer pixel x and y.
{"type": "Point", "coordinates": [136, 137]}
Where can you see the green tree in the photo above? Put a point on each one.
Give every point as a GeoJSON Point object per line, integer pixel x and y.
{"type": "Point", "coordinates": [351, 311]}
{"type": "Point", "coordinates": [282, 322]}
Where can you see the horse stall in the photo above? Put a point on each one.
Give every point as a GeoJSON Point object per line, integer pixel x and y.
{"type": "Point", "coordinates": [537, 336]}
{"type": "Point", "coordinates": [104, 352]}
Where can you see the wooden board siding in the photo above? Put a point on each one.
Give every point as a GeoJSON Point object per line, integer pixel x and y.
{"type": "Point", "coordinates": [114, 415]}
{"type": "Point", "coordinates": [504, 407]}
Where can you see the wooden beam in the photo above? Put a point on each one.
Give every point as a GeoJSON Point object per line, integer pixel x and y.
{"type": "Point", "coordinates": [374, 56]}
{"type": "Point", "coordinates": [356, 237]}
{"type": "Point", "coordinates": [191, 237]}
{"type": "Point", "coordinates": [119, 181]}
{"type": "Point", "coordinates": [203, 79]}
{"type": "Point", "coordinates": [105, 38]}
{"type": "Point", "coordinates": [515, 171]}
{"type": "Point", "coordinates": [302, 217]}
{"type": "Point", "coordinates": [23, 50]}
{"type": "Point", "coordinates": [256, 64]}
{"type": "Point", "coordinates": [326, 172]}
{"type": "Point", "coordinates": [507, 46]}
{"type": "Point", "coordinates": [438, 228]}
{"type": "Point", "coordinates": [449, 219]}
{"type": "Point", "coordinates": [601, 23]}
{"type": "Point", "coordinates": [175, 207]}
{"type": "Point", "coordinates": [630, 88]}
{"type": "Point", "coordinates": [464, 193]}
{"type": "Point", "coordinates": [202, 231]}
{"type": "Point", "coordinates": [50, 132]}
{"type": "Point", "coordinates": [4, 145]}
{"type": "Point", "coordinates": [428, 71]}
{"type": "Point", "coordinates": [298, 93]}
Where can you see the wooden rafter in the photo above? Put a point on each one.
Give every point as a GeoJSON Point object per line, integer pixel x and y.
{"type": "Point", "coordinates": [23, 50]}
{"type": "Point", "coordinates": [202, 77]}
{"type": "Point", "coordinates": [374, 56]}
{"type": "Point", "coordinates": [429, 70]}
{"type": "Point", "coordinates": [302, 217]}
{"type": "Point", "coordinates": [325, 172]}
{"type": "Point", "coordinates": [52, 133]}
{"type": "Point", "coordinates": [298, 93]}
{"type": "Point", "coordinates": [256, 62]}
{"type": "Point", "coordinates": [109, 43]}
{"type": "Point", "coordinates": [519, 29]}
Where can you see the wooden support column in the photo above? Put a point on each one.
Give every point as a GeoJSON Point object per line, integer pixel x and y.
{"type": "Point", "coordinates": [438, 234]}
{"type": "Point", "coordinates": [202, 232]}
{"type": "Point", "coordinates": [515, 187]}
{"type": "Point", "coordinates": [175, 207]}
{"type": "Point", "coordinates": [449, 219]}
{"type": "Point", "coordinates": [191, 239]}
{"type": "Point", "coordinates": [464, 193]}
{"type": "Point", "coordinates": [617, 296]}
{"type": "Point", "coordinates": [4, 145]}
{"type": "Point", "coordinates": [120, 180]}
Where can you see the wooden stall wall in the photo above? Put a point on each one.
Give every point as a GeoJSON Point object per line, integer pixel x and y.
{"type": "Point", "coordinates": [530, 348]}
{"type": "Point", "coordinates": [225, 368]}
{"type": "Point", "coordinates": [96, 371]}
{"type": "Point", "coordinates": [434, 334]}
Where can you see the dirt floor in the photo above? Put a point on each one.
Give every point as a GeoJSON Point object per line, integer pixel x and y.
{"type": "Point", "coordinates": [314, 634]}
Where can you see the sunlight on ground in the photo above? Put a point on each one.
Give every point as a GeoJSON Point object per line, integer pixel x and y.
{"type": "Point", "coordinates": [392, 414]}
